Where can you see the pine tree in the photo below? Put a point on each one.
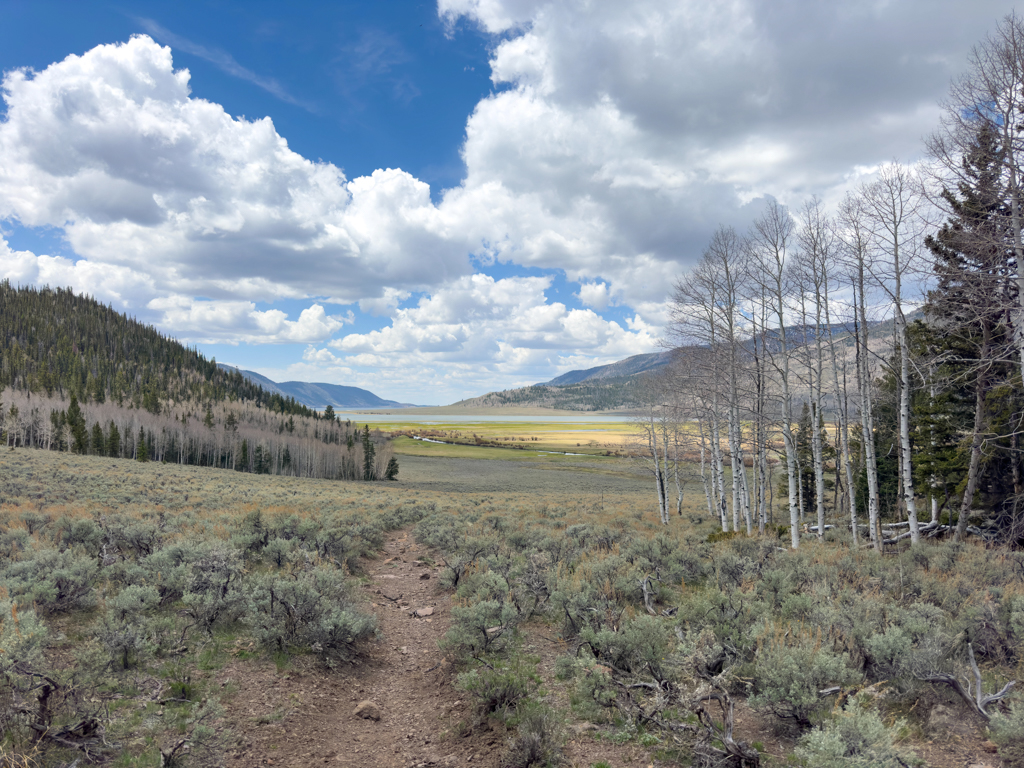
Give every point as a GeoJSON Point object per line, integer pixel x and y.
{"type": "Point", "coordinates": [368, 455]}
{"type": "Point", "coordinates": [391, 473]}
{"type": "Point", "coordinates": [972, 304]}
{"type": "Point", "coordinates": [141, 449]}
{"type": "Point", "coordinates": [76, 421]}
{"type": "Point", "coordinates": [113, 440]}
{"type": "Point", "coordinates": [98, 443]}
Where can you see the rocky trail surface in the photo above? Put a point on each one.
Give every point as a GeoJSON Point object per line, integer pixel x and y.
{"type": "Point", "coordinates": [396, 707]}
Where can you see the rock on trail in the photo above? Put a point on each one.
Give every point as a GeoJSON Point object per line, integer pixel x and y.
{"type": "Point", "coordinates": [395, 708]}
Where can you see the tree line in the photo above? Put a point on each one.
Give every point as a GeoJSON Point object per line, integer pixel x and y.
{"type": "Point", "coordinates": [871, 353]}
{"type": "Point", "coordinates": [78, 376]}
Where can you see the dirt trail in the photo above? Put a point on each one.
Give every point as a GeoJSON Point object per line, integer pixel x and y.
{"type": "Point", "coordinates": [304, 715]}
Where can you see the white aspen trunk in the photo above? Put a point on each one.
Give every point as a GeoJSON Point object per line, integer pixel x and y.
{"type": "Point", "coordinates": [675, 468]}
{"type": "Point", "coordinates": [866, 417]}
{"type": "Point", "coordinates": [709, 489]}
{"type": "Point", "coordinates": [718, 467]}
{"type": "Point", "coordinates": [906, 468]}
{"type": "Point", "coordinates": [653, 445]}
{"type": "Point", "coordinates": [734, 466]}
{"type": "Point", "coordinates": [817, 417]}
{"type": "Point", "coordinates": [842, 423]}
{"type": "Point", "coordinates": [664, 473]}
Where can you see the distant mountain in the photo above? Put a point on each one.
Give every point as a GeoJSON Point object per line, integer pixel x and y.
{"type": "Point", "coordinates": [628, 367]}
{"type": "Point", "coordinates": [602, 388]}
{"type": "Point", "coordinates": [319, 395]}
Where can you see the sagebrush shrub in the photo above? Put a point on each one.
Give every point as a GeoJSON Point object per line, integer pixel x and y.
{"type": "Point", "coordinates": [1007, 731]}
{"type": "Point", "coordinates": [856, 737]}
{"type": "Point", "coordinates": [640, 646]}
{"type": "Point", "coordinates": [538, 740]}
{"type": "Point", "coordinates": [213, 593]}
{"type": "Point", "coordinates": [310, 610]}
{"type": "Point", "coordinates": [23, 638]}
{"type": "Point", "coordinates": [54, 581]}
{"type": "Point", "coordinates": [791, 669]}
{"type": "Point", "coordinates": [502, 685]}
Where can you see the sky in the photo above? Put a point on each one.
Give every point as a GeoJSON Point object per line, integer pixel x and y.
{"type": "Point", "coordinates": [436, 200]}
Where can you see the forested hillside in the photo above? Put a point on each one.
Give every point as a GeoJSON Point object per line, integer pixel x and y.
{"type": "Point", "coordinates": [57, 342]}
{"type": "Point", "coordinates": [78, 376]}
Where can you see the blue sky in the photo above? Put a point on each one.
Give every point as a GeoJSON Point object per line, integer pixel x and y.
{"type": "Point", "coordinates": [434, 200]}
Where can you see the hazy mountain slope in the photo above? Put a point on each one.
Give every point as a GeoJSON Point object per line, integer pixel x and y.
{"type": "Point", "coordinates": [320, 394]}
{"type": "Point", "coordinates": [628, 367]}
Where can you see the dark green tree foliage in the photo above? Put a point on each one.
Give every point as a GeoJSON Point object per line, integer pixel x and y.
{"type": "Point", "coordinates": [368, 455]}
{"type": "Point", "coordinates": [974, 386]}
{"type": "Point", "coordinates": [54, 341]}
{"type": "Point", "coordinates": [99, 443]}
{"type": "Point", "coordinates": [76, 421]}
{"type": "Point", "coordinates": [113, 440]}
{"type": "Point", "coordinates": [141, 451]}
{"type": "Point", "coordinates": [391, 473]}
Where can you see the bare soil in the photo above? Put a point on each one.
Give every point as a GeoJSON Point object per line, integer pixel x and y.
{"type": "Point", "coordinates": [303, 715]}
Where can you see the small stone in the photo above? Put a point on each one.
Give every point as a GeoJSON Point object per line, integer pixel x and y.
{"type": "Point", "coordinates": [424, 576]}
{"type": "Point", "coordinates": [368, 710]}
{"type": "Point", "coordinates": [422, 612]}
{"type": "Point", "coordinates": [990, 746]}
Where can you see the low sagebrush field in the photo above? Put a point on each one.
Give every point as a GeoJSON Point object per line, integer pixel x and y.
{"type": "Point", "coordinates": [124, 587]}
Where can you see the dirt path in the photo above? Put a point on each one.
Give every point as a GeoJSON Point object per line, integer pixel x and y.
{"type": "Point", "coordinates": [304, 715]}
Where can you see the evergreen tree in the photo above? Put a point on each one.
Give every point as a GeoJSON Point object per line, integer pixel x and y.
{"type": "Point", "coordinates": [76, 421]}
{"type": "Point", "coordinates": [243, 460]}
{"type": "Point", "coordinates": [98, 443]}
{"type": "Point", "coordinates": [113, 440]}
{"type": "Point", "coordinates": [368, 455]}
{"type": "Point", "coordinates": [971, 311]}
{"type": "Point", "coordinates": [391, 473]}
{"type": "Point", "coordinates": [141, 449]}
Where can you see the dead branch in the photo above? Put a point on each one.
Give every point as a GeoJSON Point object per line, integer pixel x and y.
{"type": "Point", "coordinates": [975, 697]}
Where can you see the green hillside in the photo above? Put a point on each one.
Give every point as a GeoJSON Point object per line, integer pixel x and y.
{"type": "Point", "coordinates": [60, 343]}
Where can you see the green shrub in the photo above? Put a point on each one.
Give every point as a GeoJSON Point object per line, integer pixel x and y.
{"type": "Point", "coordinates": [1008, 733]}
{"type": "Point", "coordinates": [790, 670]}
{"type": "Point", "coordinates": [311, 610]}
{"type": "Point", "coordinates": [639, 647]}
{"type": "Point", "coordinates": [277, 552]}
{"type": "Point", "coordinates": [538, 740]}
{"type": "Point", "coordinates": [83, 532]}
{"type": "Point", "coordinates": [22, 640]}
{"type": "Point", "coordinates": [56, 582]}
{"type": "Point", "coordinates": [595, 694]}
{"type": "Point", "coordinates": [855, 737]}
{"type": "Point", "coordinates": [502, 685]}
{"type": "Point", "coordinates": [213, 592]}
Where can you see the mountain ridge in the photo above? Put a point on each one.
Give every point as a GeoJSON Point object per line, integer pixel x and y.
{"type": "Point", "coordinates": [318, 395]}
{"type": "Point", "coordinates": [630, 366]}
